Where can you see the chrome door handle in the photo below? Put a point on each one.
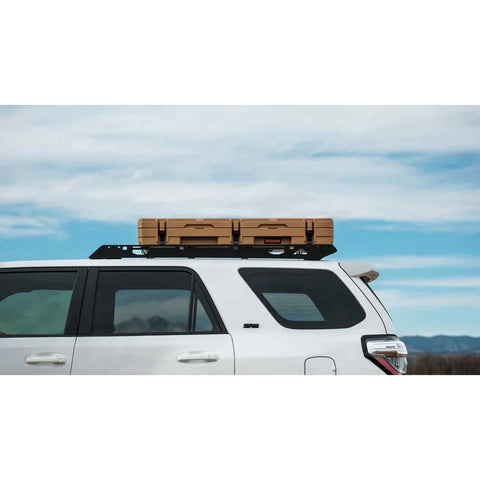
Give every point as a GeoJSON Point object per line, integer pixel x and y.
{"type": "Point", "coordinates": [197, 356]}
{"type": "Point", "coordinates": [55, 358]}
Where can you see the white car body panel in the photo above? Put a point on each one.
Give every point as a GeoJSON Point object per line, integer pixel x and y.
{"type": "Point", "coordinates": [15, 350]}
{"type": "Point", "coordinates": [152, 354]}
{"type": "Point", "coordinates": [268, 349]}
{"type": "Point", "coordinates": [382, 312]}
{"type": "Point", "coordinates": [272, 348]}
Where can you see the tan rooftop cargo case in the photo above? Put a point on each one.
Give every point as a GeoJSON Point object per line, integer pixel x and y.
{"type": "Point", "coordinates": [149, 231]}
{"type": "Point", "coordinates": [185, 231]}
{"type": "Point", "coordinates": [322, 231]}
{"type": "Point", "coordinates": [199, 231]}
{"type": "Point", "coordinates": [284, 231]}
{"type": "Point", "coordinates": [248, 231]}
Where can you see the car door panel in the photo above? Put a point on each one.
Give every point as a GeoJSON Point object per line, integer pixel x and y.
{"type": "Point", "coordinates": [150, 321]}
{"type": "Point", "coordinates": [36, 355]}
{"type": "Point", "coordinates": [157, 354]}
{"type": "Point", "coordinates": [39, 313]}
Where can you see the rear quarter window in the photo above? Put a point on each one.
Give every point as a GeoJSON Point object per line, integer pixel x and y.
{"type": "Point", "coordinates": [304, 298]}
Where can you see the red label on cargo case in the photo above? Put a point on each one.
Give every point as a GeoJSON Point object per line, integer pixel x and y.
{"type": "Point", "coordinates": [273, 240]}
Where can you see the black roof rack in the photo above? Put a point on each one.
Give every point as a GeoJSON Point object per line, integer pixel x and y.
{"type": "Point", "coordinates": [305, 252]}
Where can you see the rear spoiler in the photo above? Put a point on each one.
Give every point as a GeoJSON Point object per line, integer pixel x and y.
{"type": "Point", "coordinates": [363, 270]}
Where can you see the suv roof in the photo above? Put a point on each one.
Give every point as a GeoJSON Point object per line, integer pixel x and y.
{"type": "Point", "coordinates": [352, 268]}
{"type": "Point", "coordinates": [158, 262]}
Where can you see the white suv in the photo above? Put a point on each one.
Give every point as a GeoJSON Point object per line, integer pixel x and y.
{"type": "Point", "coordinates": [194, 316]}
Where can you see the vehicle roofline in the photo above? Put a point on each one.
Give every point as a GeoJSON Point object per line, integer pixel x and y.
{"type": "Point", "coordinates": [155, 261]}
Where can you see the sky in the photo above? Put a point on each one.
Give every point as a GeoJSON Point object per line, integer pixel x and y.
{"type": "Point", "coordinates": [401, 183]}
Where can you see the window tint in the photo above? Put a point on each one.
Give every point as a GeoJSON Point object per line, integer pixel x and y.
{"type": "Point", "coordinates": [202, 321]}
{"type": "Point", "coordinates": [298, 307]}
{"type": "Point", "coordinates": [151, 311]}
{"type": "Point", "coordinates": [304, 298]}
{"type": "Point", "coordinates": [148, 303]}
{"type": "Point", "coordinates": [35, 303]}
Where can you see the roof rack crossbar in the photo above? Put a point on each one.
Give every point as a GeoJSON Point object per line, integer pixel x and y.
{"type": "Point", "coordinates": [305, 252]}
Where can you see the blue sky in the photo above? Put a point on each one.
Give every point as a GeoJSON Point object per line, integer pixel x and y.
{"type": "Point", "coordinates": [402, 184]}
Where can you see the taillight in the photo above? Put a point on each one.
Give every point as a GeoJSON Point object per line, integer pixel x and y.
{"type": "Point", "coordinates": [387, 352]}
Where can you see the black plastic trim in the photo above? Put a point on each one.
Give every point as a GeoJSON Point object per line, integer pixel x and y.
{"type": "Point", "coordinates": [191, 306]}
{"type": "Point", "coordinates": [86, 316]}
{"type": "Point", "coordinates": [74, 311]}
{"type": "Point", "coordinates": [303, 252]}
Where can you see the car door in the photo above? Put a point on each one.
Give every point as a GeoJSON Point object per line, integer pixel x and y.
{"type": "Point", "coordinates": [39, 313]}
{"type": "Point", "coordinates": [150, 321]}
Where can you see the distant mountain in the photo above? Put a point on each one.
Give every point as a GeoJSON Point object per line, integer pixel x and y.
{"type": "Point", "coordinates": [442, 344]}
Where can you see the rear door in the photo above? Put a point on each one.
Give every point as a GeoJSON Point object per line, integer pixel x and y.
{"type": "Point", "coordinates": [150, 320]}
{"type": "Point", "coordinates": [39, 312]}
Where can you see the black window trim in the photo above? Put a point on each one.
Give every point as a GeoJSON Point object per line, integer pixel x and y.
{"type": "Point", "coordinates": [86, 319]}
{"type": "Point", "coordinates": [73, 316]}
{"type": "Point", "coordinates": [291, 324]}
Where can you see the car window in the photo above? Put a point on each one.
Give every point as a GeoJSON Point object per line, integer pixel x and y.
{"type": "Point", "coordinates": [202, 321]}
{"type": "Point", "coordinates": [151, 311]}
{"type": "Point", "coordinates": [298, 307]}
{"type": "Point", "coordinates": [304, 298]}
{"type": "Point", "coordinates": [149, 303]}
{"type": "Point", "coordinates": [35, 303]}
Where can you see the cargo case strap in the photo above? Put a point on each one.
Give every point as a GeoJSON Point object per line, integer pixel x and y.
{"type": "Point", "coordinates": [305, 252]}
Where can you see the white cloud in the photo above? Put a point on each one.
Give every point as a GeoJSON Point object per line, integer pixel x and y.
{"type": "Point", "coordinates": [453, 282]}
{"type": "Point", "coordinates": [67, 131]}
{"type": "Point", "coordinates": [414, 262]}
{"type": "Point", "coordinates": [12, 226]}
{"type": "Point", "coordinates": [400, 299]}
{"type": "Point", "coordinates": [118, 164]}
{"type": "Point", "coordinates": [122, 200]}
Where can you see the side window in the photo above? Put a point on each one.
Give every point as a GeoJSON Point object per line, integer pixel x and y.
{"type": "Point", "coordinates": [304, 298]}
{"type": "Point", "coordinates": [35, 303]}
{"type": "Point", "coordinates": [202, 315]}
{"type": "Point", "coordinates": [149, 303]}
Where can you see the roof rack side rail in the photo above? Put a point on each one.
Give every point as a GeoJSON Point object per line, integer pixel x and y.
{"type": "Point", "coordinates": [305, 252]}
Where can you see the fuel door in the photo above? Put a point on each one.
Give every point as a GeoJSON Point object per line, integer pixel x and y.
{"type": "Point", "coordinates": [320, 366]}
